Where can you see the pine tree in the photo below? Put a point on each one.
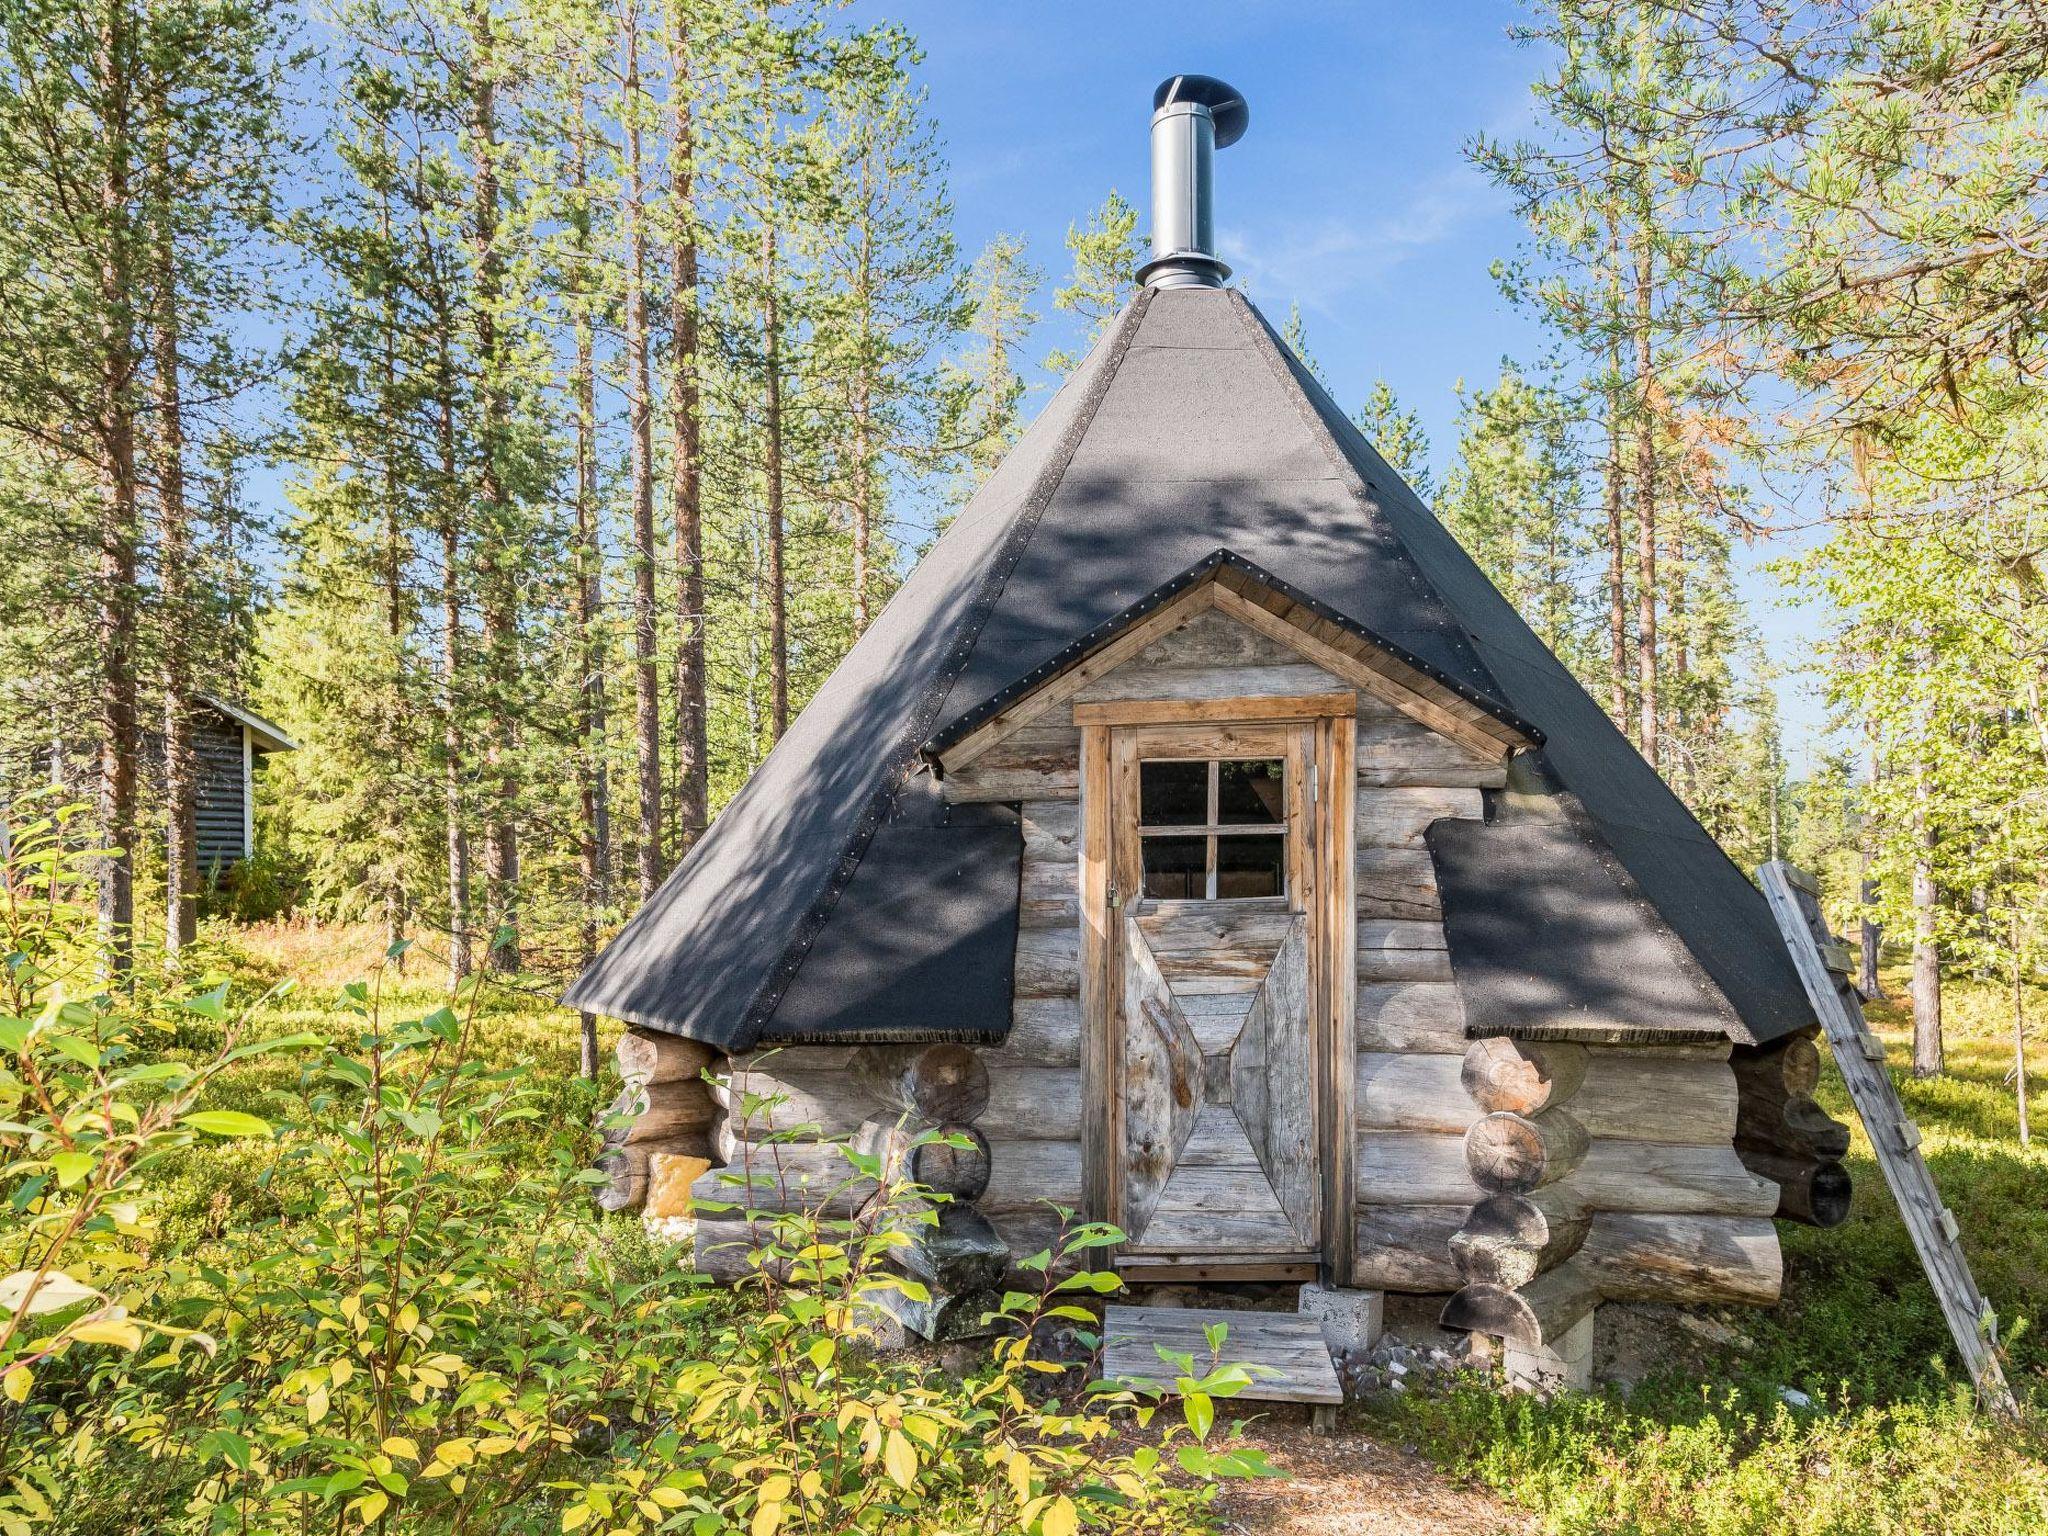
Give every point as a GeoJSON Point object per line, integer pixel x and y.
{"type": "Point", "coordinates": [988, 387]}
{"type": "Point", "coordinates": [1397, 433]}
{"type": "Point", "coordinates": [1104, 275]}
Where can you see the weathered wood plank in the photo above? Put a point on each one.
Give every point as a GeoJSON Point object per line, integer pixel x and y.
{"type": "Point", "coordinates": [1397, 883]}
{"type": "Point", "coordinates": [826, 1100]}
{"type": "Point", "coordinates": [1048, 963]}
{"type": "Point", "coordinates": [1290, 1347]}
{"type": "Point", "coordinates": [1397, 817]}
{"type": "Point", "coordinates": [1170, 705]}
{"type": "Point", "coordinates": [1196, 684]}
{"type": "Point", "coordinates": [1048, 893]}
{"type": "Point", "coordinates": [1052, 831]}
{"type": "Point", "coordinates": [1161, 1084]}
{"type": "Point", "coordinates": [646, 1057]}
{"type": "Point", "coordinates": [1680, 1180]}
{"type": "Point", "coordinates": [1410, 1016]}
{"type": "Point", "coordinates": [1401, 1091]}
{"type": "Point", "coordinates": [1640, 1098]}
{"type": "Point", "coordinates": [1407, 1247]}
{"type": "Point", "coordinates": [1032, 1103]}
{"type": "Point", "coordinates": [1685, 1258]}
{"type": "Point", "coordinates": [1284, 1133]}
{"type": "Point", "coordinates": [1424, 1168]}
{"type": "Point", "coordinates": [1932, 1228]}
{"type": "Point", "coordinates": [1044, 1032]}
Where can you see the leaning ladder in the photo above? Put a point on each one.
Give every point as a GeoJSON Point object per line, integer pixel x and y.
{"type": "Point", "coordinates": [1823, 964]}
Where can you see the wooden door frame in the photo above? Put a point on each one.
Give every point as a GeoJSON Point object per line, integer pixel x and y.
{"type": "Point", "coordinates": [1322, 863]}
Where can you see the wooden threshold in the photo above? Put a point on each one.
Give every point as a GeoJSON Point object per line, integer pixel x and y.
{"type": "Point", "coordinates": [1300, 706]}
{"type": "Point", "coordinates": [1213, 1271]}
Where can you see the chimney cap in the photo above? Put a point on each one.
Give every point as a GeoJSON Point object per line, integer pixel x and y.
{"type": "Point", "coordinates": [1226, 106]}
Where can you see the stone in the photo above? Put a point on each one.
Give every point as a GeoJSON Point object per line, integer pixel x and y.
{"type": "Point", "coordinates": [1565, 1365]}
{"type": "Point", "coordinates": [1351, 1319]}
{"type": "Point", "coordinates": [943, 1318]}
{"type": "Point", "coordinates": [669, 1177]}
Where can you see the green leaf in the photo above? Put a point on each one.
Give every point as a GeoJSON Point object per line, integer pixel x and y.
{"type": "Point", "coordinates": [14, 1033]}
{"type": "Point", "coordinates": [71, 1167]}
{"type": "Point", "coordinates": [227, 1122]}
{"type": "Point", "coordinates": [84, 1052]}
{"type": "Point", "coordinates": [210, 1005]}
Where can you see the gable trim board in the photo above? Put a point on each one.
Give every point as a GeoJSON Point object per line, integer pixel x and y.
{"type": "Point", "coordinates": [1188, 435]}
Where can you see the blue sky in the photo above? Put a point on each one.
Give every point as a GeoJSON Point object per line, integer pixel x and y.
{"type": "Point", "coordinates": [1350, 195]}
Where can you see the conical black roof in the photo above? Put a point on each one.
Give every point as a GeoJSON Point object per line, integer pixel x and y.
{"type": "Point", "coordinates": [836, 897]}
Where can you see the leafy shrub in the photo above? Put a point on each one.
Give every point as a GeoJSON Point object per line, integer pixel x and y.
{"type": "Point", "coordinates": [423, 1326]}
{"type": "Point", "coordinates": [789, 1423]}
{"type": "Point", "coordinates": [87, 1114]}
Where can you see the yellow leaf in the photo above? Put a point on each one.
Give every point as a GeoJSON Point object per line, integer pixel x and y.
{"type": "Point", "coordinates": [408, 1318]}
{"type": "Point", "coordinates": [342, 1370]}
{"type": "Point", "coordinates": [899, 1459]}
{"type": "Point", "coordinates": [667, 1497]}
{"type": "Point", "coordinates": [767, 1519]}
{"type": "Point", "coordinates": [457, 1454]}
{"type": "Point", "coordinates": [371, 1506]}
{"type": "Point", "coordinates": [1060, 1518]}
{"type": "Point", "coordinates": [810, 1483]}
{"type": "Point", "coordinates": [400, 1445]}
{"type": "Point", "coordinates": [108, 1330]}
{"type": "Point", "coordinates": [496, 1445]}
{"type": "Point", "coordinates": [575, 1517]}
{"type": "Point", "coordinates": [17, 1382]}
{"type": "Point", "coordinates": [775, 1489]}
{"type": "Point", "coordinates": [316, 1405]}
{"type": "Point", "coordinates": [1020, 1476]}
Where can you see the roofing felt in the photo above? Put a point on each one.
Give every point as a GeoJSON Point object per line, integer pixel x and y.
{"type": "Point", "coordinates": [1187, 430]}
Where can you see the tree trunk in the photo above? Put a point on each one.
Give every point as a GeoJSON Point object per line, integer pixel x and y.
{"type": "Point", "coordinates": [693, 793]}
{"type": "Point", "coordinates": [2019, 1032]}
{"type": "Point", "coordinates": [1617, 554]}
{"type": "Point", "coordinates": [640, 442]}
{"type": "Point", "coordinates": [1927, 1050]}
{"type": "Point", "coordinates": [593, 786]}
{"type": "Point", "coordinates": [1646, 509]}
{"type": "Point", "coordinates": [453, 744]}
{"type": "Point", "coordinates": [778, 595]}
{"type": "Point", "coordinates": [118, 535]}
{"type": "Point", "coordinates": [1870, 936]}
{"type": "Point", "coordinates": [498, 581]}
{"type": "Point", "coordinates": [181, 840]}
{"type": "Point", "coordinates": [393, 727]}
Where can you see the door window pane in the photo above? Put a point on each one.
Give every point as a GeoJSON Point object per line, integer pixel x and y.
{"type": "Point", "coordinates": [1176, 868]}
{"type": "Point", "coordinates": [1249, 793]}
{"type": "Point", "coordinates": [1250, 866]}
{"type": "Point", "coordinates": [1173, 794]}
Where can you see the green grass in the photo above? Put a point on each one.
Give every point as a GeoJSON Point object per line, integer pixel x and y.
{"type": "Point", "coordinates": [1892, 1443]}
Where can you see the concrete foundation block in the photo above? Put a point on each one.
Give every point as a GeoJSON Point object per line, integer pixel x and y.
{"type": "Point", "coordinates": [1350, 1319]}
{"type": "Point", "coordinates": [1563, 1366]}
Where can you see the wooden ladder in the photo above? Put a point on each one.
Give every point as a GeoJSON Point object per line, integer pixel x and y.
{"type": "Point", "coordinates": [1823, 964]}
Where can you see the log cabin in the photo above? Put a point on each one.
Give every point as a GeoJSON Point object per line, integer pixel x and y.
{"type": "Point", "coordinates": [1203, 837]}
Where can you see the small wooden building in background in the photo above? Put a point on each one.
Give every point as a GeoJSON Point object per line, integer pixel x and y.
{"type": "Point", "coordinates": [229, 743]}
{"type": "Point", "coordinates": [1201, 834]}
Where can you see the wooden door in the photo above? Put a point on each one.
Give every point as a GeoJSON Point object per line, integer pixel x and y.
{"type": "Point", "coordinates": [1217, 995]}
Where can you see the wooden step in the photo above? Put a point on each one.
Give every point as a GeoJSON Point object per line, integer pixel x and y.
{"type": "Point", "coordinates": [1289, 1344]}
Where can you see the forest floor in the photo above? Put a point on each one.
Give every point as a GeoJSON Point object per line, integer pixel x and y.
{"type": "Point", "coordinates": [1839, 1411]}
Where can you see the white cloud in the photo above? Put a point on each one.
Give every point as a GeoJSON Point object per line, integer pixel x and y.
{"type": "Point", "coordinates": [1315, 263]}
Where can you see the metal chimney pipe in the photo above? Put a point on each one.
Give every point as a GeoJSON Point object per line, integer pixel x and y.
{"type": "Point", "coordinates": [1193, 116]}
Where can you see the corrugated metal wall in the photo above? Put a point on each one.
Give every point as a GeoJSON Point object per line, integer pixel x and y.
{"type": "Point", "coordinates": [217, 747]}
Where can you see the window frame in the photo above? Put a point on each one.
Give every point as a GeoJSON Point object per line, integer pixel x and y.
{"type": "Point", "coordinates": [1215, 828]}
